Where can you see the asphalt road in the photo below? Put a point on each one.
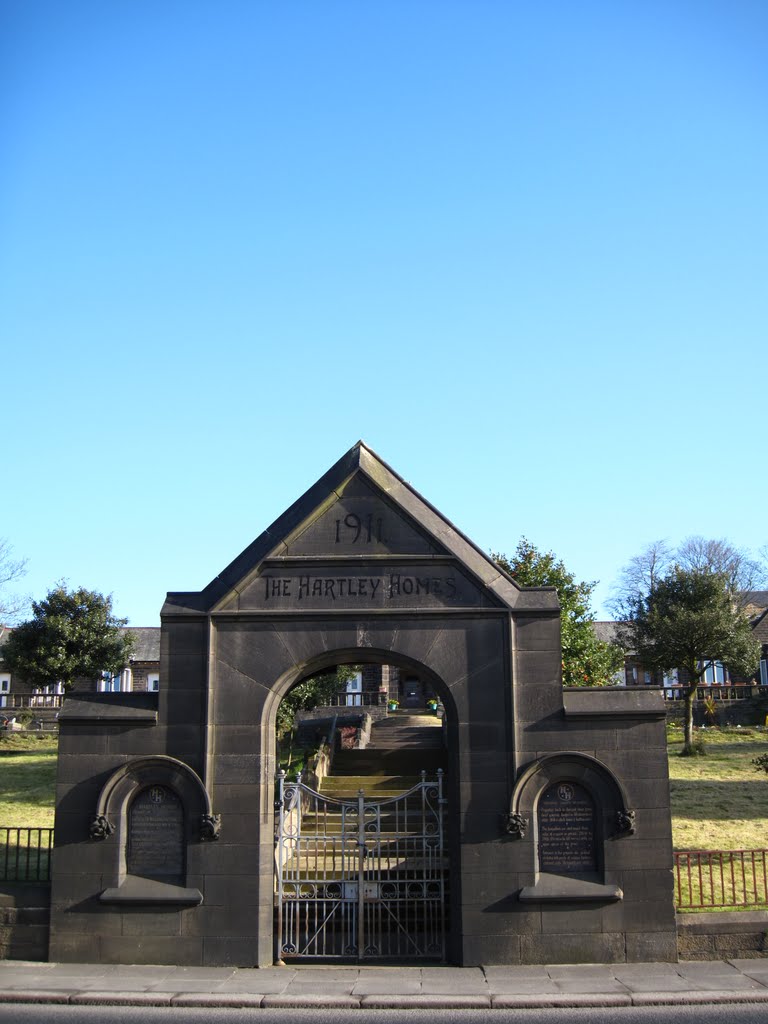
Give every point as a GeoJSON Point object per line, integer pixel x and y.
{"type": "Point", "coordinates": [702, 1014]}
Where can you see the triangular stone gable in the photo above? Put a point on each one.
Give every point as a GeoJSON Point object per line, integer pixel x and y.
{"type": "Point", "coordinates": [360, 536]}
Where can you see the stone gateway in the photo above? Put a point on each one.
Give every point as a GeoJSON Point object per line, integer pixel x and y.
{"type": "Point", "coordinates": [552, 816]}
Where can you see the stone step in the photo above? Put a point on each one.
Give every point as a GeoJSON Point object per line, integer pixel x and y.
{"type": "Point", "coordinates": [391, 762]}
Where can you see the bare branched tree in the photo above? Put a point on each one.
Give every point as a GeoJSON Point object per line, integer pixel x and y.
{"type": "Point", "coordinates": [639, 576]}
{"type": "Point", "coordinates": [11, 571]}
{"type": "Point", "coordinates": [743, 572]}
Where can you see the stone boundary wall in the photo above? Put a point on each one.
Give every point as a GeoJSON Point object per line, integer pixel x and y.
{"type": "Point", "coordinates": [747, 711]}
{"type": "Point", "coordinates": [25, 912]}
{"type": "Point", "coordinates": [721, 936]}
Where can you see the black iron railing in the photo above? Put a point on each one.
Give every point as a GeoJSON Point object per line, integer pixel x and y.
{"type": "Point", "coordinates": [25, 854]}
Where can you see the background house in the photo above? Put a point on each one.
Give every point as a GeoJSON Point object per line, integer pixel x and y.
{"type": "Point", "coordinates": [378, 683]}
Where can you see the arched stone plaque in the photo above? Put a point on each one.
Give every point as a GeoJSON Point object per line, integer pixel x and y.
{"type": "Point", "coordinates": [156, 836]}
{"type": "Point", "coordinates": [567, 841]}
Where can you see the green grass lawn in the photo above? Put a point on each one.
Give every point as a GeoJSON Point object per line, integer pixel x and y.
{"type": "Point", "coordinates": [27, 779]}
{"type": "Point", "coordinates": [719, 801]}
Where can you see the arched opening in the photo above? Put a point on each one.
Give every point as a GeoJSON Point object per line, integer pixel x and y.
{"type": "Point", "coordinates": [362, 848]}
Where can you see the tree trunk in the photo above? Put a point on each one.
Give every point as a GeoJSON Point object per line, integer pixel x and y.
{"type": "Point", "coordinates": [690, 697]}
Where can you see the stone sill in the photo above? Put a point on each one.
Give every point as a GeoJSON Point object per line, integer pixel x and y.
{"type": "Point", "coordinates": [146, 890]}
{"type": "Point", "coordinates": [561, 889]}
{"type": "Point", "coordinates": [613, 701]}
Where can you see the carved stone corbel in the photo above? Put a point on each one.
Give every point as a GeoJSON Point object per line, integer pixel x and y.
{"type": "Point", "coordinates": [101, 827]}
{"type": "Point", "coordinates": [625, 823]}
{"type": "Point", "coordinates": [516, 825]}
{"type": "Point", "coordinates": [210, 827]}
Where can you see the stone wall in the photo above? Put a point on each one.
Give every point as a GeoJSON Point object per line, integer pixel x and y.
{"type": "Point", "coordinates": [24, 921]}
{"type": "Point", "coordinates": [746, 711]}
{"type": "Point", "coordinates": [720, 936]}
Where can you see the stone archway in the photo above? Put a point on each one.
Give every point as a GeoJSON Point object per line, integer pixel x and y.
{"type": "Point", "coordinates": [363, 566]}
{"type": "Point", "coordinates": [363, 873]}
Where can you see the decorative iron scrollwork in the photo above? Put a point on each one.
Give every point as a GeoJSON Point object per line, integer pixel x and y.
{"type": "Point", "coordinates": [625, 823]}
{"type": "Point", "coordinates": [516, 825]}
{"type": "Point", "coordinates": [101, 827]}
{"type": "Point", "coordinates": [210, 827]}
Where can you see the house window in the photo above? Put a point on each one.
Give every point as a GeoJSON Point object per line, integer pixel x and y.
{"type": "Point", "coordinates": [764, 671]}
{"type": "Point", "coordinates": [5, 682]}
{"type": "Point", "coordinates": [153, 682]}
{"type": "Point", "coordinates": [355, 690]}
{"type": "Point", "coordinates": [647, 676]}
{"type": "Point", "coordinates": [672, 678]}
{"type": "Point", "coordinates": [116, 682]}
{"type": "Point", "coordinates": [715, 674]}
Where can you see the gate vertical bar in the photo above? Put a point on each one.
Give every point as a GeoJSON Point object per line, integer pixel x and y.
{"type": "Point", "coordinates": [360, 874]}
{"type": "Point", "coordinates": [280, 834]}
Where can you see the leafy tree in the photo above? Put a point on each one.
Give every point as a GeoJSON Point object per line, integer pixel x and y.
{"type": "Point", "coordinates": [687, 619]}
{"type": "Point", "coordinates": [587, 660]}
{"type": "Point", "coordinates": [314, 692]}
{"type": "Point", "coordinates": [71, 635]}
{"type": "Point", "coordinates": [11, 570]}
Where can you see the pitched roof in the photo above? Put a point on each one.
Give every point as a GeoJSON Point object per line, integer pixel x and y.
{"type": "Point", "coordinates": [437, 532]}
{"type": "Point", "coordinates": [606, 631]}
{"type": "Point", "coordinates": [147, 642]}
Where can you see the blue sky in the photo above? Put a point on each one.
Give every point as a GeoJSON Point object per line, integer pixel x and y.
{"type": "Point", "coordinates": [519, 249]}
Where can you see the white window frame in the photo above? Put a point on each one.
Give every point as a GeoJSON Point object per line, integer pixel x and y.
{"type": "Point", "coordinates": [711, 673]}
{"type": "Point", "coordinates": [764, 671]}
{"type": "Point", "coordinates": [153, 682]}
{"type": "Point", "coordinates": [355, 690]}
{"type": "Point", "coordinates": [123, 679]}
{"type": "Point", "coordinates": [5, 682]}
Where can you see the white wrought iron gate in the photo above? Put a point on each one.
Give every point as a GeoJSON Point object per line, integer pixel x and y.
{"type": "Point", "coordinates": [358, 878]}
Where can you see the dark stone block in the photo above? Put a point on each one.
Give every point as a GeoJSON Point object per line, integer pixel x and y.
{"type": "Point", "coordinates": [142, 921]}
{"type": "Point", "coordinates": [638, 853]}
{"type": "Point", "coordinates": [88, 916]}
{"type": "Point", "coordinates": [492, 889]}
{"type": "Point", "coordinates": [653, 947]}
{"type": "Point", "coordinates": [184, 706]}
{"type": "Point", "coordinates": [564, 948]}
{"type": "Point", "coordinates": [503, 916]}
{"type": "Point", "coordinates": [221, 891]}
{"type": "Point", "coordinates": [632, 916]}
{"type": "Point", "coordinates": [235, 920]}
{"type": "Point", "coordinates": [222, 859]}
{"type": "Point", "coordinates": [639, 764]}
{"type": "Point", "coordinates": [82, 739]}
{"type": "Point", "coordinates": [537, 632]}
{"type": "Point", "coordinates": [490, 949]}
{"type": "Point", "coordinates": [648, 885]}
{"type": "Point", "coordinates": [236, 770]}
{"type": "Point", "coordinates": [185, 638]}
{"type": "Point", "coordinates": [236, 799]}
{"type": "Point", "coordinates": [84, 767]}
{"type": "Point", "coordinates": [68, 947]}
{"type": "Point", "coordinates": [221, 951]}
{"type": "Point", "coordinates": [137, 741]}
{"type": "Point", "coordinates": [572, 917]}
{"type": "Point", "coordinates": [184, 951]}
{"type": "Point", "coordinates": [641, 735]}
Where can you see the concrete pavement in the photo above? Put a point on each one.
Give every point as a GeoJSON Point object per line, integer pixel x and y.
{"type": "Point", "coordinates": [692, 982]}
